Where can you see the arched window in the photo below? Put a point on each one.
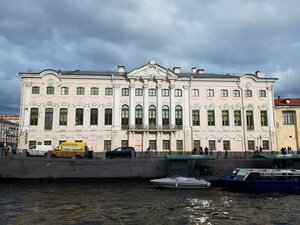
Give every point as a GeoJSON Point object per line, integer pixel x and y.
{"type": "Point", "coordinates": [34, 116]}
{"type": "Point", "coordinates": [80, 91]}
{"type": "Point", "coordinates": [165, 116]}
{"type": "Point", "coordinates": [108, 117]}
{"type": "Point", "coordinates": [94, 117]}
{"type": "Point", "coordinates": [63, 116]}
{"type": "Point", "coordinates": [178, 116]}
{"type": "Point", "coordinates": [138, 115]}
{"type": "Point", "coordinates": [50, 90]}
{"type": "Point", "coordinates": [125, 116]}
{"type": "Point", "coordinates": [79, 117]}
{"type": "Point", "coordinates": [152, 115]}
{"type": "Point", "coordinates": [35, 90]}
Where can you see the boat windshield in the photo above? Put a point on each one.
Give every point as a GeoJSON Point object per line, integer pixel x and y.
{"type": "Point", "coordinates": [241, 175]}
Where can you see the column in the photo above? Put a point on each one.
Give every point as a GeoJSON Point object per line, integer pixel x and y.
{"type": "Point", "coordinates": [116, 109]}
{"type": "Point", "coordinates": [146, 107]}
{"type": "Point", "coordinates": [27, 107]}
{"type": "Point", "coordinates": [273, 141]}
{"type": "Point", "coordinates": [132, 106]}
{"type": "Point", "coordinates": [172, 105]}
{"type": "Point", "coordinates": [159, 106]}
{"type": "Point", "coordinates": [186, 107]}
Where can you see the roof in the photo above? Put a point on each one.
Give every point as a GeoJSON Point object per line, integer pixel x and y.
{"type": "Point", "coordinates": [191, 157]}
{"type": "Point", "coordinates": [277, 157]}
{"type": "Point", "coordinates": [287, 102]}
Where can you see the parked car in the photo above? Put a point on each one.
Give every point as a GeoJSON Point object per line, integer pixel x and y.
{"type": "Point", "coordinates": [121, 152]}
{"type": "Point", "coordinates": [66, 150]}
{"type": "Point", "coordinates": [39, 150]}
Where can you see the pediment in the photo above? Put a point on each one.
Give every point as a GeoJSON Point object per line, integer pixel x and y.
{"type": "Point", "coordinates": [152, 71]}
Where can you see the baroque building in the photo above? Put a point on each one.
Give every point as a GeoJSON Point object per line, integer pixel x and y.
{"type": "Point", "coordinates": [165, 109]}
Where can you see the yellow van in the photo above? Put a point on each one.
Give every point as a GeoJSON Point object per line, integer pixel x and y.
{"type": "Point", "coordinates": [66, 149]}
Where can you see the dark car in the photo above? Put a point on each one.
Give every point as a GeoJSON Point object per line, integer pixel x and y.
{"type": "Point", "coordinates": [121, 152]}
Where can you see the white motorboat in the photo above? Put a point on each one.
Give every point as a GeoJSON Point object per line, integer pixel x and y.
{"type": "Point", "coordinates": [181, 182]}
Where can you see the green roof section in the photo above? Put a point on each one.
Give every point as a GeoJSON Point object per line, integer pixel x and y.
{"type": "Point", "coordinates": [277, 157]}
{"type": "Point", "coordinates": [191, 157]}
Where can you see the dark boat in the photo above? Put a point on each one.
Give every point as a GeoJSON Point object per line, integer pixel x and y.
{"type": "Point", "coordinates": [262, 180]}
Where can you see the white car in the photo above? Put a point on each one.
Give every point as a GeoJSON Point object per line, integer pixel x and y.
{"type": "Point", "coordinates": [39, 150]}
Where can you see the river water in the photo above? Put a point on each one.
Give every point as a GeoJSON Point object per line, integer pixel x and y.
{"type": "Point", "coordinates": [132, 202]}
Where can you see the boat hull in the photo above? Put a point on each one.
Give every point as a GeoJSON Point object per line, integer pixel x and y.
{"type": "Point", "coordinates": [263, 185]}
{"type": "Point", "coordinates": [181, 183]}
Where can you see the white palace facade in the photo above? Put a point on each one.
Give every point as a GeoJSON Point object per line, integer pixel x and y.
{"type": "Point", "coordinates": [149, 106]}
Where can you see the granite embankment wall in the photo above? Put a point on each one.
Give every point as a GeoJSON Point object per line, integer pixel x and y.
{"type": "Point", "coordinates": [21, 167]}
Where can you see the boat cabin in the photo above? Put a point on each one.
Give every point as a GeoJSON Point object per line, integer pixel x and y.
{"type": "Point", "coordinates": [266, 174]}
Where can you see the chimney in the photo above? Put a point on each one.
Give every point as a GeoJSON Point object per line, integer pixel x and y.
{"type": "Point", "coordinates": [176, 69]}
{"type": "Point", "coordinates": [279, 97]}
{"type": "Point", "coordinates": [193, 70]}
{"type": "Point", "coordinates": [257, 73]}
{"type": "Point", "coordinates": [200, 71]}
{"type": "Point", "coordinates": [288, 101]}
{"type": "Point", "coordinates": [121, 69]}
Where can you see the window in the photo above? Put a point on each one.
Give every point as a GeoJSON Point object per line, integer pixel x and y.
{"type": "Point", "coordinates": [125, 92]}
{"type": "Point", "coordinates": [152, 92]}
{"type": "Point", "coordinates": [107, 145]}
{"type": "Point", "coordinates": [35, 90]}
{"type": "Point", "coordinates": [48, 118]}
{"type": "Point", "coordinates": [266, 145]}
{"type": "Point", "coordinates": [224, 93]}
{"type": "Point", "coordinates": [195, 92]}
{"type": "Point", "coordinates": [178, 93]}
{"type": "Point", "coordinates": [264, 118]}
{"type": "Point", "coordinates": [196, 117]}
{"type": "Point", "coordinates": [165, 115]}
{"type": "Point", "coordinates": [248, 93]}
{"type": "Point", "coordinates": [288, 117]}
{"type": "Point", "coordinates": [262, 93]}
{"type": "Point", "coordinates": [225, 118]}
{"type": "Point", "coordinates": [108, 117]}
{"type": "Point", "coordinates": [226, 145]}
{"type": "Point", "coordinates": [125, 116]}
{"type": "Point", "coordinates": [124, 143]}
{"type": "Point", "coordinates": [236, 93]}
{"type": "Point", "coordinates": [237, 118]}
{"type": "Point", "coordinates": [108, 91]}
{"type": "Point", "coordinates": [50, 90]}
{"type": "Point", "coordinates": [166, 144]}
{"type": "Point", "coordinates": [138, 115]}
{"type": "Point", "coordinates": [80, 91]}
{"type": "Point", "coordinates": [31, 143]}
{"type": "Point", "coordinates": [210, 93]}
{"type": "Point", "coordinates": [152, 144]}
{"type": "Point", "coordinates": [179, 144]}
{"type": "Point", "coordinates": [63, 116]}
{"type": "Point", "coordinates": [34, 116]}
{"type": "Point", "coordinates": [211, 117]}
{"type": "Point", "coordinates": [64, 91]}
{"type": "Point", "coordinates": [251, 145]}
{"type": "Point", "coordinates": [212, 145]}
{"type": "Point", "coordinates": [79, 117]}
{"type": "Point", "coordinates": [165, 92]}
{"type": "Point", "coordinates": [178, 116]}
{"type": "Point", "coordinates": [196, 144]}
{"type": "Point", "coordinates": [152, 115]}
{"type": "Point", "coordinates": [94, 117]}
{"type": "Point", "coordinates": [250, 120]}
{"type": "Point", "coordinates": [47, 142]}
{"type": "Point", "coordinates": [138, 92]}
{"type": "Point", "coordinates": [94, 91]}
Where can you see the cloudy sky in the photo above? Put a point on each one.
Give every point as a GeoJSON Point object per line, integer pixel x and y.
{"type": "Point", "coordinates": [221, 36]}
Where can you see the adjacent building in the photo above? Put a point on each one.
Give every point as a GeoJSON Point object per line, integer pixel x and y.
{"type": "Point", "coordinates": [165, 109]}
{"type": "Point", "coordinates": [287, 117]}
{"type": "Point", "coordinates": [9, 132]}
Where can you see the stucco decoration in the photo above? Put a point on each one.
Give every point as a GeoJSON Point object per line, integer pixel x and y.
{"type": "Point", "coordinates": [210, 106]}
{"type": "Point", "coordinates": [225, 106]}
{"type": "Point", "coordinates": [50, 72]}
{"type": "Point", "coordinates": [248, 85]}
{"type": "Point", "coordinates": [251, 137]}
{"type": "Point", "coordinates": [93, 138]}
{"type": "Point", "coordinates": [196, 106]}
{"type": "Point", "coordinates": [226, 137]}
{"type": "Point", "coordinates": [237, 106]}
{"type": "Point", "coordinates": [152, 71]}
{"type": "Point", "coordinates": [50, 103]}
{"type": "Point", "coordinates": [264, 106]}
{"type": "Point", "coordinates": [238, 138]}
{"type": "Point", "coordinates": [94, 105]}
{"type": "Point", "coordinates": [64, 105]}
{"type": "Point", "coordinates": [79, 105]}
{"type": "Point", "coordinates": [249, 106]}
